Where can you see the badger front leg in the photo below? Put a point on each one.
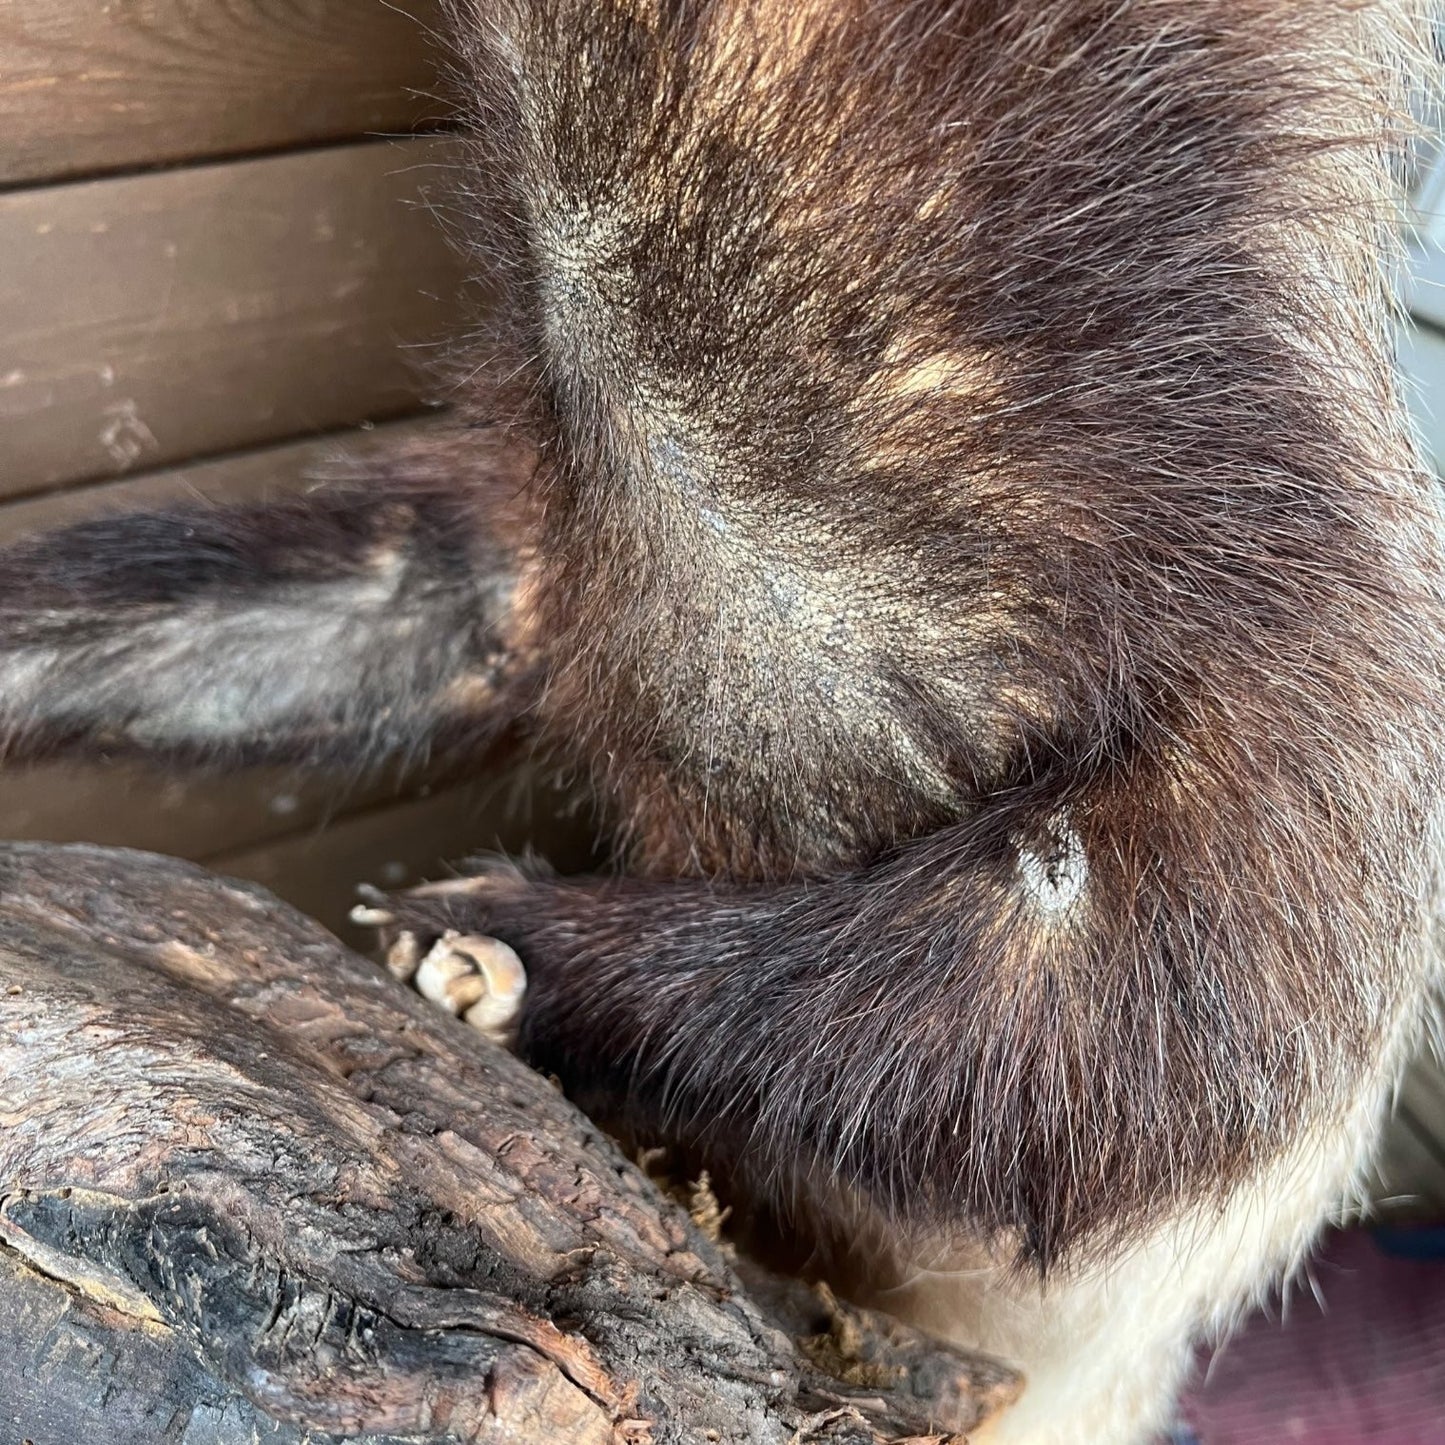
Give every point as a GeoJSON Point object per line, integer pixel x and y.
{"type": "Point", "coordinates": [358, 622]}
{"type": "Point", "coordinates": [1080, 1007]}
{"type": "Point", "coordinates": [1100, 1007]}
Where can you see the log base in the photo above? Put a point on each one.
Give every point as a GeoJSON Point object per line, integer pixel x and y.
{"type": "Point", "coordinates": [253, 1190]}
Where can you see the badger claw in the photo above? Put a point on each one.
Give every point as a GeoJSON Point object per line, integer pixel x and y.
{"type": "Point", "coordinates": [476, 978]}
{"type": "Point", "coordinates": [403, 956]}
{"type": "Point", "coordinates": [481, 980]}
{"type": "Point", "coordinates": [365, 916]}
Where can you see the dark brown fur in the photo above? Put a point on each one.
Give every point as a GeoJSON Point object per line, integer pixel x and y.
{"type": "Point", "coordinates": [973, 544]}
{"type": "Point", "coordinates": [843, 647]}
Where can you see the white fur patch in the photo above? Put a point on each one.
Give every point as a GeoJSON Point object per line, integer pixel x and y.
{"type": "Point", "coordinates": [1055, 875]}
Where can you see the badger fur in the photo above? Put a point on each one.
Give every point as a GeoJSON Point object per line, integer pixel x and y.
{"type": "Point", "coordinates": [937, 465]}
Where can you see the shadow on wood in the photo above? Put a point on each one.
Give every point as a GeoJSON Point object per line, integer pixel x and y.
{"type": "Point", "coordinates": [253, 1190]}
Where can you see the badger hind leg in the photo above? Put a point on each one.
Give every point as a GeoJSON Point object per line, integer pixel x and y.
{"type": "Point", "coordinates": [360, 622]}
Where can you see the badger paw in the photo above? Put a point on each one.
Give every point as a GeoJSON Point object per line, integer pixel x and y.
{"type": "Point", "coordinates": [478, 979]}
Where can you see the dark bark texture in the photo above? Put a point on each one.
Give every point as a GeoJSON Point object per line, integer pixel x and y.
{"type": "Point", "coordinates": [252, 1190]}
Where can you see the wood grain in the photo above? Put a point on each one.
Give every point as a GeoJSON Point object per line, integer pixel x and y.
{"type": "Point", "coordinates": [149, 319]}
{"type": "Point", "coordinates": [252, 475]}
{"type": "Point", "coordinates": [251, 1189]}
{"type": "Point", "coordinates": [86, 88]}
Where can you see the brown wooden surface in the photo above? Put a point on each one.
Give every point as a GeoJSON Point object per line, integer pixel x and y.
{"type": "Point", "coordinates": [428, 837]}
{"type": "Point", "coordinates": [133, 805]}
{"type": "Point", "coordinates": [253, 475]}
{"type": "Point", "coordinates": [88, 87]}
{"type": "Point", "coordinates": [147, 319]}
{"type": "Point", "coordinates": [252, 1189]}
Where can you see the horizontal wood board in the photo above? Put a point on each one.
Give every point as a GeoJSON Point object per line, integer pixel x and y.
{"type": "Point", "coordinates": [86, 88]}
{"type": "Point", "coordinates": [148, 319]}
{"type": "Point", "coordinates": [253, 475]}
{"type": "Point", "coordinates": [426, 838]}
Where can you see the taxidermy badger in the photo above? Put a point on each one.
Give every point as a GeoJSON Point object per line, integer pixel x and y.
{"type": "Point", "coordinates": [937, 464]}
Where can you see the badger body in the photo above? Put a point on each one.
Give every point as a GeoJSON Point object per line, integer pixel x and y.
{"type": "Point", "coordinates": [937, 465]}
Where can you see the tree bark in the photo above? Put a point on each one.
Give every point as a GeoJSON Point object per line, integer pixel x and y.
{"type": "Point", "coordinates": [253, 1190]}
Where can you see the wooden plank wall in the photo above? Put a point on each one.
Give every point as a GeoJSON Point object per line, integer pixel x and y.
{"type": "Point", "coordinates": [220, 266]}
{"type": "Point", "coordinates": [87, 88]}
